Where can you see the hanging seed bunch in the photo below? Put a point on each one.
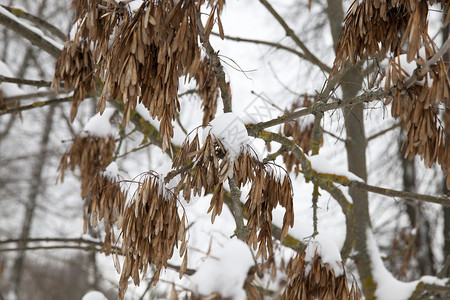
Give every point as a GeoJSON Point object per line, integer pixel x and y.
{"type": "Point", "coordinates": [92, 152]}
{"type": "Point", "coordinates": [139, 56]}
{"type": "Point", "coordinates": [389, 23]}
{"type": "Point", "coordinates": [268, 189]}
{"type": "Point", "coordinates": [154, 48]}
{"type": "Point", "coordinates": [417, 107]}
{"type": "Point", "coordinates": [316, 280]}
{"type": "Point", "coordinates": [75, 66]}
{"type": "Point", "coordinates": [208, 90]}
{"type": "Point", "coordinates": [212, 164]}
{"type": "Point", "coordinates": [151, 228]}
{"type": "Point", "coordinates": [80, 61]}
{"type": "Point", "coordinates": [300, 131]}
{"type": "Point", "coordinates": [105, 201]}
{"type": "Point", "coordinates": [418, 94]}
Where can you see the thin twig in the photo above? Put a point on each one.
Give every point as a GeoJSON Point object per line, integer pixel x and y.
{"type": "Point", "coordinates": [319, 107]}
{"type": "Point", "coordinates": [378, 134]}
{"type": "Point", "coordinates": [215, 62]}
{"type": "Point", "coordinates": [289, 32]}
{"type": "Point", "coordinates": [267, 43]}
{"type": "Point", "coordinates": [29, 96]}
{"type": "Point", "coordinates": [35, 104]}
{"type": "Point", "coordinates": [37, 83]}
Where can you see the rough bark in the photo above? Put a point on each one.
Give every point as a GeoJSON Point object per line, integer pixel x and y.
{"type": "Point", "coordinates": [356, 155]}
{"type": "Point", "coordinates": [31, 204]}
{"type": "Point", "coordinates": [446, 228]}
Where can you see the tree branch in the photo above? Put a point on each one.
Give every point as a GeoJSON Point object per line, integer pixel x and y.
{"type": "Point", "coordinates": [289, 32]}
{"type": "Point", "coordinates": [9, 20]}
{"type": "Point", "coordinates": [215, 62]}
{"type": "Point", "coordinates": [267, 43]}
{"type": "Point", "coordinates": [319, 107]}
{"type": "Point", "coordinates": [36, 20]}
{"type": "Point", "coordinates": [38, 83]}
{"type": "Point", "coordinates": [35, 104]}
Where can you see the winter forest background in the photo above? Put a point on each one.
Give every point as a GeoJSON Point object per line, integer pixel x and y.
{"type": "Point", "coordinates": [324, 148]}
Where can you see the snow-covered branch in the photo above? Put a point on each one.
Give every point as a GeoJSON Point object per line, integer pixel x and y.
{"type": "Point", "coordinates": [34, 35]}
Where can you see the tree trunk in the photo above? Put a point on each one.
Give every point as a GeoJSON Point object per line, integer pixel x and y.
{"type": "Point", "coordinates": [34, 191]}
{"type": "Point", "coordinates": [356, 154]}
{"type": "Point", "coordinates": [446, 228]}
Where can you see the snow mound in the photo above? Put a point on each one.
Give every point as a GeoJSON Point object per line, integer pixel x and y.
{"type": "Point", "coordinates": [322, 165]}
{"type": "Point", "coordinates": [224, 271]}
{"type": "Point", "coordinates": [231, 131]}
{"type": "Point", "coordinates": [112, 171]}
{"type": "Point", "coordinates": [388, 287]}
{"type": "Point", "coordinates": [328, 251]}
{"type": "Point", "coordinates": [94, 295]}
{"type": "Point", "coordinates": [100, 125]}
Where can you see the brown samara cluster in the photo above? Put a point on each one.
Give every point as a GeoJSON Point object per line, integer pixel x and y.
{"type": "Point", "coordinates": [211, 165]}
{"type": "Point", "coordinates": [400, 27]}
{"type": "Point", "coordinates": [139, 56]}
{"type": "Point", "coordinates": [299, 131]}
{"type": "Point", "coordinates": [316, 280]}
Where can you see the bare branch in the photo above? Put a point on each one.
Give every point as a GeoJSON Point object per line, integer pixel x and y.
{"type": "Point", "coordinates": [319, 107]}
{"type": "Point", "coordinates": [289, 32]}
{"type": "Point", "coordinates": [267, 43]}
{"type": "Point", "coordinates": [35, 104]}
{"type": "Point", "coordinates": [236, 207]}
{"type": "Point", "coordinates": [378, 134]}
{"type": "Point", "coordinates": [38, 83]}
{"type": "Point", "coordinates": [215, 62]}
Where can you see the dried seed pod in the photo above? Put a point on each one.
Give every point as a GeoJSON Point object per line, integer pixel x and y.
{"type": "Point", "coordinates": [151, 229]}
{"type": "Point", "coordinates": [213, 164]}
{"type": "Point", "coordinates": [371, 23]}
{"type": "Point", "coordinates": [416, 106]}
{"type": "Point", "coordinates": [300, 130]}
{"type": "Point", "coordinates": [316, 280]}
{"type": "Point", "coordinates": [104, 201]}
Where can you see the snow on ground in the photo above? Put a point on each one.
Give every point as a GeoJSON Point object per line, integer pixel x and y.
{"type": "Point", "coordinates": [100, 125]}
{"type": "Point", "coordinates": [388, 287]}
{"type": "Point", "coordinates": [224, 271]}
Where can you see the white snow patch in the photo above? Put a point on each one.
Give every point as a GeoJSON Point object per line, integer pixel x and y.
{"type": "Point", "coordinates": [388, 287]}
{"type": "Point", "coordinates": [133, 6]}
{"type": "Point", "coordinates": [100, 125]}
{"type": "Point", "coordinates": [224, 271]}
{"type": "Point", "coordinates": [94, 295]}
{"type": "Point", "coordinates": [322, 165]}
{"type": "Point", "coordinates": [410, 67]}
{"type": "Point", "coordinates": [112, 171]}
{"type": "Point", "coordinates": [328, 251]}
{"type": "Point", "coordinates": [306, 122]}
{"type": "Point", "coordinates": [231, 131]}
